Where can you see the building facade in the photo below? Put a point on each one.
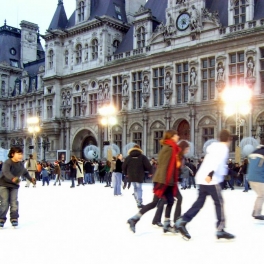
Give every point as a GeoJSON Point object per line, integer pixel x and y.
{"type": "Point", "coordinates": [163, 64]}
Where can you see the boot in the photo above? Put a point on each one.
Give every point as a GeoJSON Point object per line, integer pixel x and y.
{"type": "Point", "coordinates": [223, 234]}
{"type": "Point", "coordinates": [180, 225]}
{"type": "Point", "coordinates": [14, 222]}
{"type": "Point", "coordinates": [132, 223]}
{"type": "Point", "coordinates": [139, 205]}
{"type": "Point", "coordinates": [2, 222]}
{"type": "Point", "coordinates": [167, 227]}
{"type": "Point", "coordinates": [259, 217]}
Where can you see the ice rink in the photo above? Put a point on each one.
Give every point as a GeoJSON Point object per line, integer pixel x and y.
{"type": "Point", "coordinates": [87, 224]}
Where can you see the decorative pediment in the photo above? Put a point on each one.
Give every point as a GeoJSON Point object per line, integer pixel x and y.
{"type": "Point", "coordinates": [207, 121]}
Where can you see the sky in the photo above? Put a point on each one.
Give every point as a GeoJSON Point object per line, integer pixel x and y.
{"type": "Point", "coordinates": [35, 11]}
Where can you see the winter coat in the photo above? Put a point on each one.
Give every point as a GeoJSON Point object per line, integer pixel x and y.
{"type": "Point", "coordinates": [57, 170]}
{"type": "Point", "coordinates": [255, 170]}
{"type": "Point", "coordinates": [135, 165]}
{"type": "Point", "coordinates": [79, 173]}
{"type": "Point", "coordinates": [88, 167]}
{"type": "Point", "coordinates": [163, 165]}
{"type": "Point", "coordinates": [31, 165]}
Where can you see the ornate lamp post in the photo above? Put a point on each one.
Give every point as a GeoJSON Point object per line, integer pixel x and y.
{"type": "Point", "coordinates": [33, 128]}
{"type": "Point", "coordinates": [108, 119]}
{"type": "Point", "coordinates": [237, 101]}
{"type": "Point", "coordinates": [45, 145]}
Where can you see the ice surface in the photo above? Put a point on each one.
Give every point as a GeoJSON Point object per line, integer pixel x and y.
{"type": "Point", "coordinates": [87, 224]}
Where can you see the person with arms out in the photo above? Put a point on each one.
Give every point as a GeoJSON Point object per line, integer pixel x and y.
{"type": "Point", "coordinates": [255, 175]}
{"type": "Point", "coordinates": [12, 170]}
{"type": "Point", "coordinates": [165, 179]}
{"type": "Point", "coordinates": [73, 163]}
{"type": "Point", "coordinates": [209, 176]}
{"type": "Point", "coordinates": [134, 168]}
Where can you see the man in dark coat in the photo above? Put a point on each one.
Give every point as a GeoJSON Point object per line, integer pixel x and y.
{"type": "Point", "coordinates": [134, 168]}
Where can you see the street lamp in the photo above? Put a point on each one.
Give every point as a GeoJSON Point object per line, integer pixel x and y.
{"type": "Point", "coordinates": [108, 114]}
{"type": "Point", "coordinates": [33, 128]}
{"type": "Point", "coordinates": [237, 101]}
{"type": "Point", "coordinates": [45, 145]}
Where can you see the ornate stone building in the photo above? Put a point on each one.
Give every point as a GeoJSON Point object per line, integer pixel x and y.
{"type": "Point", "coordinates": [163, 64]}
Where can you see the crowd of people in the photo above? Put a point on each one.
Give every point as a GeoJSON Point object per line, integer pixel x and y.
{"type": "Point", "coordinates": [170, 173]}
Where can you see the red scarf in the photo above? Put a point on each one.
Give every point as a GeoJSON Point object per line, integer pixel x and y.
{"type": "Point", "coordinates": [172, 170]}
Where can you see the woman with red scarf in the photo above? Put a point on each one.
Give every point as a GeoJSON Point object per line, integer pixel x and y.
{"type": "Point", "coordinates": [165, 179]}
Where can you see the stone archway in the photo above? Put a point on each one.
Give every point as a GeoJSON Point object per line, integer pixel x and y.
{"type": "Point", "coordinates": [184, 130]}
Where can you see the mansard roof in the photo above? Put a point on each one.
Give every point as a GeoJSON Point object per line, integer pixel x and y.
{"type": "Point", "coordinates": [10, 38]}
{"type": "Point", "coordinates": [259, 7]}
{"type": "Point", "coordinates": [32, 68]}
{"type": "Point", "coordinates": [59, 20]}
{"type": "Point", "coordinates": [103, 8]}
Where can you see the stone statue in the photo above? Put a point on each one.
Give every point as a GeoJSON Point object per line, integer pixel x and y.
{"type": "Point", "coordinates": [33, 85]}
{"type": "Point", "coordinates": [107, 92]}
{"type": "Point", "coordinates": [146, 85]}
{"type": "Point", "coordinates": [170, 25]}
{"type": "Point", "coordinates": [193, 77]}
{"type": "Point", "coordinates": [250, 68]}
{"type": "Point", "coordinates": [17, 88]}
{"type": "Point", "coordinates": [220, 72]}
{"type": "Point", "coordinates": [68, 98]}
{"type": "Point", "coordinates": [100, 92]}
{"type": "Point", "coordinates": [63, 99]}
{"type": "Point", "coordinates": [83, 96]}
{"type": "Point", "coordinates": [125, 88]}
{"type": "Point", "coordinates": [168, 81]}
{"type": "Point", "coordinates": [3, 123]}
{"type": "Point", "coordinates": [194, 18]}
{"type": "Point", "coordinates": [3, 88]}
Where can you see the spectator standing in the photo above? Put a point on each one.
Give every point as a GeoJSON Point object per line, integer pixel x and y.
{"type": "Point", "coordinates": [117, 175]}
{"type": "Point", "coordinates": [31, 166]}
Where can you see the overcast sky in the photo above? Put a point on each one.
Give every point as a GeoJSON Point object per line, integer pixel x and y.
{"type": "Point", "coordinates": [36, 11]}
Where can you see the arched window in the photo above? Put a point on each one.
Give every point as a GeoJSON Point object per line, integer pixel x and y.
{"type": "Point", "coordinates": [78, 54]}
{"type": "Point", "coordinates": [80, 11]}
{"type": "Point", "coordinates": [240, 12]}
{"type": "Point", "coordinates": [86, 52]}
{"type": "Point", "coordinates": [141, 37]}
{"type": "Point", "coordinates": [66, 54]}
{"type": "Point", "coordinates": [50, 58]}
{"type": "Point", "coordinates": [116, 44]}
{"type": "Point", "coordinates": [95, 49]}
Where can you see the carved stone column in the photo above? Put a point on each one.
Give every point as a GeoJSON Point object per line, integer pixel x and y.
{"type": "Point", "coordinates": [124, 132]}
{"type": "Point", "coordinates": [145, 132]}
{"type": "Point", "coordinates": [67, 126]}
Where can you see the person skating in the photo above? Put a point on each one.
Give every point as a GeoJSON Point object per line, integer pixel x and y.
{"type": "Point", "coordinates": [73, 163]}
{"type": "Point", "coordinates": [31, 166]}
{"type": "Point", "coordinates": [57, 172]}
{"type": "Point", "coordinates": [209, 176]}
{"type": "Point", "coordinates": [165, 179]}
{"type": "Point", "coordinates": [12, 170]}
{"type": "Point", "coordinates": [134, 168]}
{"type": "Point", "coordinates": [255, 176]}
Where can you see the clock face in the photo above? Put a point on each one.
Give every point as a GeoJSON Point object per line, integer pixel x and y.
{"type": "Point", "coordinates": [183, 21]}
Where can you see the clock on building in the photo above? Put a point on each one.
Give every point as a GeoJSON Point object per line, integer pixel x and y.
{"type": "Point", "coordinates": [183, 21]}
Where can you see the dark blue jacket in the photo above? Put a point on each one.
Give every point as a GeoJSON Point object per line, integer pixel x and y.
{"type": "Point", "coordinates": [255, 171]}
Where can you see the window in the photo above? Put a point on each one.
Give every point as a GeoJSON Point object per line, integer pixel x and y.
{"type": "Point", "coordinates": [116, 44]}
{"type": "Point", "coordinates": [93, 104]}
{"type": "Point", "coordinates": [236, 68]}
{"type": "Point", "coordinates": [137, 90]}
{"type": "Point", "coordinates": [49, 108]}
{"type": "Point", "coordinates": [141, 37]}
{"type": "Point", "coordinates": [22, 121]}
{"type": "Point", "coordinates": [117, 92]}
{"type": "Point", "coordinates": [182, 79]}
{"type": "Point", "coordinates": [14, 63]}
{"type": "Point", "coordinates": [95, 49]}
{"type": "Point", "coordinates": [50, 59]}
{"type": "Point", "coordinates": [86, 52]}
{"type": "Point", "coordinates": [240, 12]}
{"type": "Point", "coordinates": [208, 133]}
{"type": "Point", "coordinates": [157, 137]}
{"type": "Point", "coordinates": [77, 106]}
{"type": "Point", "coordinates": [208, 78]}
{"type": "Point", "coordinates": [118, 140]}
{"type": "Point", "coordinates": [14, 122]}
{"type": "Point", "coordinates": [137, 138]}
{"type": "Point", "coordinates": [80, 11]}
{"type": "Point", "coordinates": [261, 70]}
{"type": "Point", "coordinates": [78, 54]}
{"type": "Point", "coordinates": [158, 86]}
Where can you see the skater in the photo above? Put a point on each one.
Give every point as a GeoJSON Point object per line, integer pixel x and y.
{"type": "Point", "coordinates": [209, 177]}
{"type": "Point", "coordinates": [89, 169]}
{"type": "Point", "coordinates": [117, 175]}
{"type": "Point", "coordinates": [134, 168]}
{"type": "Point", "coordinates": [31, 166]}
{"type": "Point", "coordinates": [57, 172]}
{"type": "Point", "coordinates": [243, 171]}
{"type": "Point", "coordinates": [12, 170]}
{"type": "Point", "coordinates": [184, 149]}
{"type": "Point", "coordinates": [255, 175]}
{"type": "Point", "coordinates": [73, 163]}
{"type": "Point", "coordinates": [79, 174]}
{"type": "Point", "coordinates": [45, 175]}
{"type": "Point", "coordinates": [105, 171]}
{"type": "Point", "coordinates": [165, 179]}
{"type": "Point", "coordinates": [101, 171]}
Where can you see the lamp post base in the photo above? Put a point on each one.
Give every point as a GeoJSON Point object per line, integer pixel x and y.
{"type": "Point", "coordinates": [237, 155]}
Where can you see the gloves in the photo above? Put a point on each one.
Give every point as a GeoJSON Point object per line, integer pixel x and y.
{"type": "Point", "coordinates": [33, 180]}
{"type": "Point", "coordinates": [16, 180]}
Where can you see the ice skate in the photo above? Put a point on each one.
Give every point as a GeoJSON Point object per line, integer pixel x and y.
{"type": "Point", "coordinates": [14, 222]}
{"type": "Point", "coordinates": [180, 225]}
{"type": "Point", "coordinates": [140, 205]}
{"type": "Point", "coordinates": [2, 223]}
{"type": "Point", "coordinates": [259, 217]}
{"type": "Point", "coordinates": [132, 224]}
{"type": "Point", "coordinates": [167, 227]}
{"type": "Point", "coordinates": [223, 234]}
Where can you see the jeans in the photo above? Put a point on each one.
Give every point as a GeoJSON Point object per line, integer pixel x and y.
{"type": "Point", "coordinates": [258, 187]}
{"type": "Point", "coordinates": [245, 182]}
{"type": "Point", "coordinates": [192, 181]}
{"type": "Point", "coordinates": [8, 197]}
{"type": "Point", "coordinates": [215, 192]}
{"type": "Point", "coordinates": [108, 178]}
{"type": "Point", "coordinates": [184, 182]}
{"type": "Point", "coordinates": [88, 178]}
{"type": "Point", "coordinates": [32, 175]}
{"type": "Point", "coordinates": [57, 179]}
{"type": "Point", "coordinates": [45, 179]}
{"type": "Point", "coordinates": [117, 179]}
{"type": "Point", "coordinates": [137, 191]}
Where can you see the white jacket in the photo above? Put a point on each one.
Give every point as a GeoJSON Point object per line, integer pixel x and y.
{"type": "Point", "coordinates": [215, 160]}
